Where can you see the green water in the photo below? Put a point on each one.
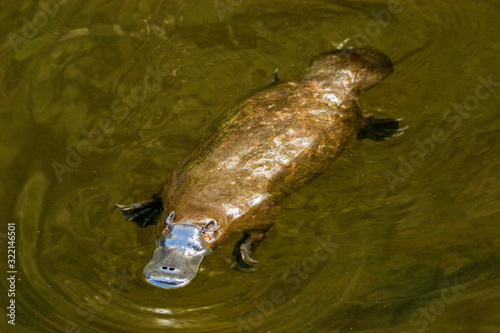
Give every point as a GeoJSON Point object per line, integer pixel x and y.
{"type": "Point", "coordinates": [99, 101]}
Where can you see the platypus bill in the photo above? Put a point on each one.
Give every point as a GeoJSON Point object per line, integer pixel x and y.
{"type": "Point", "coordinates": [258, 153]}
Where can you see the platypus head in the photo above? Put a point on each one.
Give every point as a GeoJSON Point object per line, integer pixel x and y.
{"type": "Point", "coordinates": [179, 252]}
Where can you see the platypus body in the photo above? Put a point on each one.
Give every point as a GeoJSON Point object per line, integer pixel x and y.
{"type": "Point", "coordinates": [256, 154]}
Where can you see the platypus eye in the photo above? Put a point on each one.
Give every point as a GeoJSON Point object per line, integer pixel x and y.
{"type": "Point", "coordinates": [211, 226]}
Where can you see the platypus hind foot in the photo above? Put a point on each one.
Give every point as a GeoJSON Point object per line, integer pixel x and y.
{"type": "Point", "coordinates": [380, 129]}
{"type": "Point", "coordinates": [143, 213]}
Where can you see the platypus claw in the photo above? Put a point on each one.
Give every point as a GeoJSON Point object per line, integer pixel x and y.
{"type": "Point", "coordinates": [241, 263]}
{"type": "Point", "coordinates": [246, 251]}
{"type": "Point", "coordinates": [242, 260]}
{"type": "Point", "coordinates": [247, 259]}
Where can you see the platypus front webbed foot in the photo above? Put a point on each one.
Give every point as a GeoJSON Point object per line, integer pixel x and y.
{"type": "Point", "coordinates": [242, 255]}
{"type": "Point", "coordinates": [143, 213]}
{"type": "Point", "coordinates": [244, 251]}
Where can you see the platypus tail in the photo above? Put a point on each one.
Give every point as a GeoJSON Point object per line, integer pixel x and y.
{"type": "Point", "coordinates": [358, 68]}
{"type": "Point", "coordinates": [380, 129]}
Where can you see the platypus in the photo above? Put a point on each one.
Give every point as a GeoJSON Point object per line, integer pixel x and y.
{"type": "Point", "coordinates": [255, 155]}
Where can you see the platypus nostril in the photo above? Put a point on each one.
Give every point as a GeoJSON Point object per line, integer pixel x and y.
{"type": "Point", "coordinates": [168, 268]}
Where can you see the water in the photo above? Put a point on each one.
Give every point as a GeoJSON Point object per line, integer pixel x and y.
{"type": "Point", "coordinates": [413, 237]}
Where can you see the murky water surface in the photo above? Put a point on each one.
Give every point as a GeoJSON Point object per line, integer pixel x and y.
{"type": "Point", "coordinates": [99, 101]}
